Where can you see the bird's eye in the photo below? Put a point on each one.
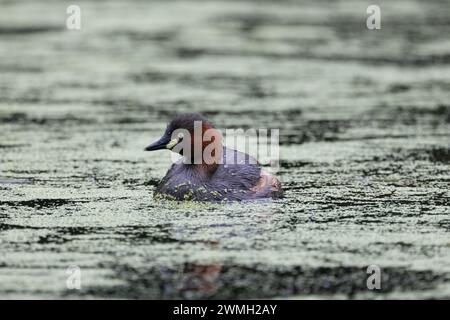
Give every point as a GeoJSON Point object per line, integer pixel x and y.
{"type": "Point", "coordinates": [180, 135]}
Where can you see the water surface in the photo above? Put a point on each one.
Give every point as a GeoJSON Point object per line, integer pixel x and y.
{"type": "Point", "coordinates": [365, 161]}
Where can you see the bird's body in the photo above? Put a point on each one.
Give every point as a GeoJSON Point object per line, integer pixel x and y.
{"type": "Point", "coordinates": [231, 181]}
{"type": "Point", "coordinates": [231, 176]}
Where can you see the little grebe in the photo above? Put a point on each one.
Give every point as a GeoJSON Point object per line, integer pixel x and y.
{"type": "Point", "coordinates": [227, 175]}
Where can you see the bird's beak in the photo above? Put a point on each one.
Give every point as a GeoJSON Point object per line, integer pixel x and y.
{"type": "Point", "coordinates": [163, 143]}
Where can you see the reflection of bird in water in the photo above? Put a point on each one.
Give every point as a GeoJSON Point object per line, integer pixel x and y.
{"type": "Point", "coordinates": [201, 278]}
{"type": "Point", "coordinates": [227, 175]}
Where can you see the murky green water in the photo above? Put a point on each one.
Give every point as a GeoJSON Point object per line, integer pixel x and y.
{"type": "Point", "coordinates": [365, 127]}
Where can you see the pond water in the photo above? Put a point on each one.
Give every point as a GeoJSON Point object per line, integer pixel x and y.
{"type": "Point", "coordinates": [364, 119]}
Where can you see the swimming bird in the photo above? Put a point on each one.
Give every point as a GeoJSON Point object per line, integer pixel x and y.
{"type": "Point", "coordinates": [223, 174]}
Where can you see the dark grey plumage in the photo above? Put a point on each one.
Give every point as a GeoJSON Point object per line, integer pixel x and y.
{"type": "Point", "coordinates": [232, 180]}
{"type": "Point", "coordinates": [186, 121]}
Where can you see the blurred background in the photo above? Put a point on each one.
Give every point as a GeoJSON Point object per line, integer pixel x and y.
{"type": "Point", "coordinates": [364, 119]}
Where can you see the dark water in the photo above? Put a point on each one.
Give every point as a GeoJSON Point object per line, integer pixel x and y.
{"type": "Point", "coordinates": [364, 119]}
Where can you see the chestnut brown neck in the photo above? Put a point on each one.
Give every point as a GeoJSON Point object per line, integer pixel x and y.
{"type": "Point", "coordinates": [211, 150]}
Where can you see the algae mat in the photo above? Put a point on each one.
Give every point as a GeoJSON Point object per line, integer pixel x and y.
{"type": "Point", "coordinates": [364, 119]}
